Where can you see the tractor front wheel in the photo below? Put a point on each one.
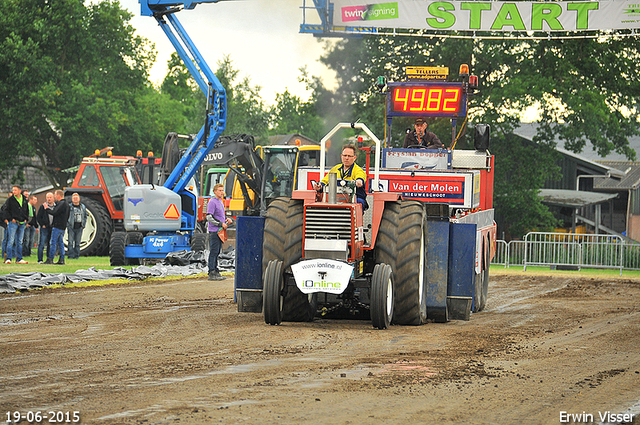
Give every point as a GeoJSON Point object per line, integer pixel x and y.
{"type": "Point", "coordinates": [381, 296]}
{"type": "Point", "coordinates": [272, 293]}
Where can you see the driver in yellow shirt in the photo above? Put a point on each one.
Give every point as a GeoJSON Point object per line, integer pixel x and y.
{"type": "Point", "coordinates": [349, 170]}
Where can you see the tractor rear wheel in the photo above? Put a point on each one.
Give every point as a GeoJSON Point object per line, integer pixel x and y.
{"type": "Point", "coordinates": [381, 308]}
{"type": "Point", "coordinates": [297, 307]}
{"type": "Point", "coordinates": [387, 238]}
{"type": "Point", "coordinates": [116, 248]}
{"type": "Point", "coordinates": [274, 232]}
{"type": "Point", "coordinates": [97, 232]}
{"type": "Point", "coordinates": [410, 294]}
{"type": "Point", "coordinates": [272, 293]}
{"type": "Point", "coordinates": [482, 281]}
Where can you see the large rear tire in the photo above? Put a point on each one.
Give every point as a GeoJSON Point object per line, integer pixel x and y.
{"type": "Point", "coordinates": [382, 301]}
{"type": "Point", "coordinates": [386, 241]}
{"type": "Point", "coordinates": [274, 232]}
{"type": "Point", "coordinates": [410, 295]}
{"type": "Point", "coordinates": [482, 280]}
{"type": "Point", "coordinates": [297, 307]}
{"type": "Point", "coordinates": [272, 293]}
{"type": "Point", "coordinates": [96, 235]}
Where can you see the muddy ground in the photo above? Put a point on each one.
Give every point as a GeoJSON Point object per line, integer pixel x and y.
{"type": "Point", "coordinates": [178, 352]}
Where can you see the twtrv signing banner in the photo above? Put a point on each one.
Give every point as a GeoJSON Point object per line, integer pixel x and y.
{"type": "Point", "coordinates": [488, 15]}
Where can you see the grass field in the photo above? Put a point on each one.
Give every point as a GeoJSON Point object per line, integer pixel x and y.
{"type": "Point", "coordinates": [71, 266]}
{"type": "Point", "coordinates": [546, 271]}
{"type": "Point", "coordinates": [102, 263]}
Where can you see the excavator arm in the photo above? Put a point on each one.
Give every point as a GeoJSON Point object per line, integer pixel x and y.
{"type": "Point", "coordinates": [238, 153]}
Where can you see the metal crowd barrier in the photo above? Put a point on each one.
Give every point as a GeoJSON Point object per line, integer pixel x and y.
{"type": "Point", "coordinates": [569, 250]}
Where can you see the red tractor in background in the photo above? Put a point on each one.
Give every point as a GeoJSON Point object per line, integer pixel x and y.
{"type": "Point", "coordinates": [100, 182]}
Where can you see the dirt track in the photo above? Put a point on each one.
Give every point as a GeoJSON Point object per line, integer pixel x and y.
{"type": "Point", "coordinates": [178, 352]}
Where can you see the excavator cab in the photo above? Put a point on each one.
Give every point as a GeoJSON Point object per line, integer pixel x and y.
{"type": "Point", "coordinates": [279, 171]}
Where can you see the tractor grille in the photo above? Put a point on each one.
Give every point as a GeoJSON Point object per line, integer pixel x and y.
{"type": "Point", "coordinates": [328, 223]}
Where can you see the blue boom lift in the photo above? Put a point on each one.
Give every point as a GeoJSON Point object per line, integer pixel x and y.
{"type": "Point", "coordinates": [162, 219]}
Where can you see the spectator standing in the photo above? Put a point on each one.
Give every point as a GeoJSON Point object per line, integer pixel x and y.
{"type": "Point", "coordinates": [45, 222]}
{"type": "Point", "coordinates": [60, 215]}
{"type": "Point", "coordinates": [16, 218]}
{"type": "Point", "coordinates": [75, 225]}
{"type": "Point", "coordinates": [32, 225]}
{"type": "Point", "coordinates": [217, 221]}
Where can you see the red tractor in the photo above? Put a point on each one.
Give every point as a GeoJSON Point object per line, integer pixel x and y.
{"type": "Point", "coordinates": [406, 261]}
{"type": "Point", "coordinates": [421, 252]}
{"type": "Point", "coordinates": [100, 181]}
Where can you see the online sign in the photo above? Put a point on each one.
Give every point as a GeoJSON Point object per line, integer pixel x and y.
{"type": "Point", "coordinates": [322, 276]}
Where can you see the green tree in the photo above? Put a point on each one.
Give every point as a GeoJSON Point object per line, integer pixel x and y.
{"type": "Point", "coordinates": [246, 111]}
{"type": "Point", "coordinates": [587, 85]}
{"type": "Point", "coordinates": [180, 86]}
{"type": "Point", "coordinates": [70, 79]}
{"type": "Point", "coordinates": [292, 115]}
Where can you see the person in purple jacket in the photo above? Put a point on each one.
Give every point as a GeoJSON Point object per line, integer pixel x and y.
{"type": "Point", "coordinates": [217, 220]}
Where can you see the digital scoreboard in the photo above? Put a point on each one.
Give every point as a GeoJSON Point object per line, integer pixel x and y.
{"type": "Point", "coordinates": [426, 99]}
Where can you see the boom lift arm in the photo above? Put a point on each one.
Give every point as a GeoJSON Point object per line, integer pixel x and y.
{"type": "Point", "coordinates": [162, 219]}
{"type": "Point", "coordinates": [164, 11]}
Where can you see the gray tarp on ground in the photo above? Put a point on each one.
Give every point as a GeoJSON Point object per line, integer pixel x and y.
{"type": "Point", "coordinates": [181, 263]}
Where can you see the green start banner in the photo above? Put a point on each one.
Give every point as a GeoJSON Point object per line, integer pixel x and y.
{"type": "Point", "coordinates": [488, 15]}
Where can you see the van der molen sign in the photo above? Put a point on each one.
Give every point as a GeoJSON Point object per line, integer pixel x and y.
{"type": "Point", "coordinates": [489, 15]}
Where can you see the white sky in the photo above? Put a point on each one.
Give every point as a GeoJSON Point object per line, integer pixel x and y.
{"type": "Point", "coordinates": [261, 37]}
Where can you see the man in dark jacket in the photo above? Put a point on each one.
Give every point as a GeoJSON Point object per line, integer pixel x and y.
{"type": "Point", "coordinates": [17, 214]}
{"type": "Point", "coordinates": [45, 221]}
{"type": "Point", "coordinates": [76, 225]}
{"type": "Point", "coordinates": [60, 215]}
{"type": "Point", "coordinates": [421, 138]}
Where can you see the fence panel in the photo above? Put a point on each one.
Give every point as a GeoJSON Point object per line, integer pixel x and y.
{"type": "Point", "coordinates": [516, 253]}
{"type": "Point", "coordinates": [631, 256]}
{"type": "Point", "coordinates": [502, 254]}
{"type": "Point", "coordinates": [571, 249]}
